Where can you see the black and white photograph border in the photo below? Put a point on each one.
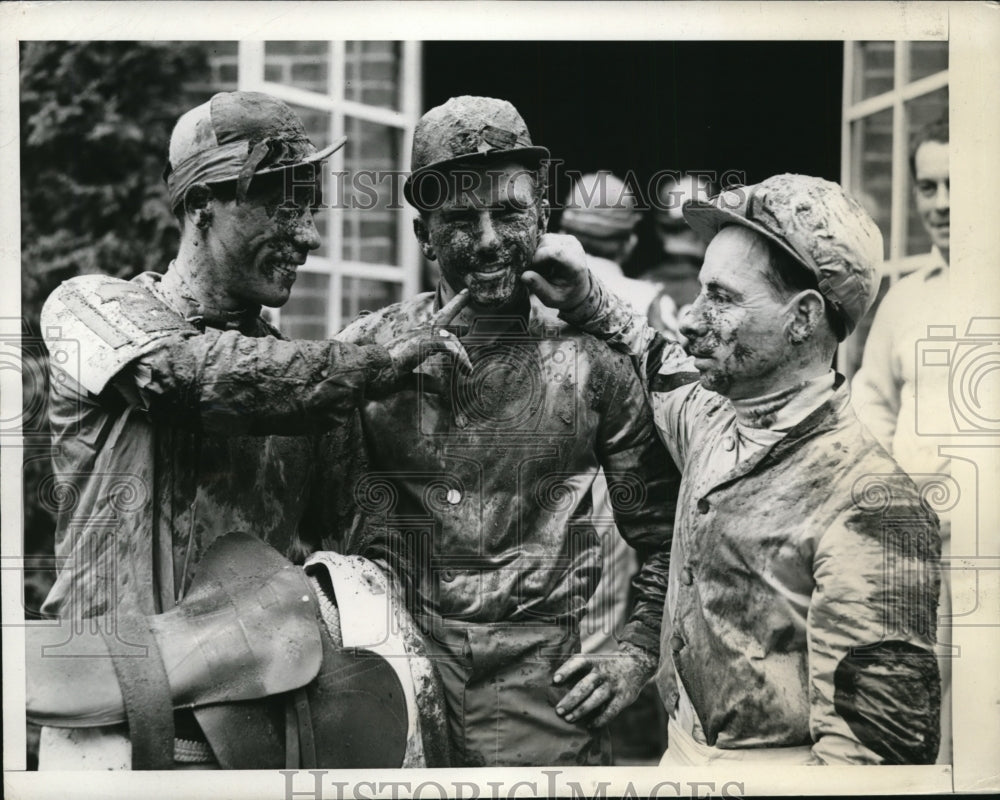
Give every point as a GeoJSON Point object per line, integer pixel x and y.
{"type": "Point", "coordinates": [968, 318]}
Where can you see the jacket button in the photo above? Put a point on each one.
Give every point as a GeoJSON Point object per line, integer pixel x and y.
{"type": "Point", "coordinates": [676, 643]}
{"type": "Point", "coordinates": [687, 576]}
{"type": "Point", "coordinates": [448, 575]}
{"type": "Point", "coordinates": [454, 497]}
{"type": "Point", "coordinates": [703, 506]}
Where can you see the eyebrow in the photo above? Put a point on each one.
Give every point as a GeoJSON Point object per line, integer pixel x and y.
{"type": "Point", "coordinates": [732, 291]}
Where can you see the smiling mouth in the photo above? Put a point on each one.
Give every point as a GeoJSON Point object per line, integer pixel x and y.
{"type": "Point", "coordinates": [286, 269]}
{"type": "Point", "coordinates": [488, 273]}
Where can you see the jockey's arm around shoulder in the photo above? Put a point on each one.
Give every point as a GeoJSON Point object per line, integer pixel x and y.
{"type": "Point", "coordinates": [560, 278]}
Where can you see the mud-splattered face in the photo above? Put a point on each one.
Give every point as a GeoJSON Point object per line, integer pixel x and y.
{"type": "Point", "coordinates": [486, 232]}
{"type": "Point", "coordinates": [932, 192]}
{"type": "Point", "coordinates": [258, 245]}
{"type": "Point", "coordinates": [735, 328]}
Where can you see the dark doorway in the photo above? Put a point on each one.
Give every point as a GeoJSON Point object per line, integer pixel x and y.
{"type": "Point", "coordinates": [756, 107]}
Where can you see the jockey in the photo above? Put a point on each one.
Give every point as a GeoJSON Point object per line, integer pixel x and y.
{"type": "Point", "coordinates": [178, 413]}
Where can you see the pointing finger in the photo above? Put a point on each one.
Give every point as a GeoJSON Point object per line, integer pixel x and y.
{"type": "Point", "coordinates": [450, 310]}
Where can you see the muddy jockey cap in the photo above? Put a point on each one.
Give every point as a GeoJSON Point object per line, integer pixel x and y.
{"type": "Point", "coordinates": [600, 205]}
{"type": "Point", "coordinates": [233, 137]}
{"type": "Point", "coordinates": [470, 131]}
{"type": "Point", "coordinates": [817, 223]}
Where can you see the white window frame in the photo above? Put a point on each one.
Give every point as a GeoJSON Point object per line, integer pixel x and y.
{"type": "Point", "coordinates": [407, 272]}
{"type": "Point", "coordinates": [895, 99]}
{"type": "Point", "coordinates": [897, 263]}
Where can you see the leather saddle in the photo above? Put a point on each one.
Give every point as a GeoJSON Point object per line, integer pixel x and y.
{"type": "Point", "coordinates": [247, 650]}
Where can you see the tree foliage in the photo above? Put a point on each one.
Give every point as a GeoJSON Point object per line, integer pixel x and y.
{"type": "Point", "coordinates": [95, 122]}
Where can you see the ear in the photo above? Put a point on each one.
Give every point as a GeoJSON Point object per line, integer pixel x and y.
{"type": "Point", "coordinates": [805, 315]}
{"type": "Point", "coordinates": [543, 216]}
{"type": "Point", "coordinates": [198, 205]}
{"type": "Point", "coordinates": [423, 234]}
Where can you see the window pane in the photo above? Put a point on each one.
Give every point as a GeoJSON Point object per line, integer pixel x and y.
{"type": "Point", "coordinates": [304, 315]}
{"type": "Point", "coordinates": [222, 74]}
{"type": "Point", "coordinates": [926, 58]}
{"type": "Point", "coordinates": [371, 73]}
{"type": "Point", "coordinates": [871, 168]}
{"type": "Point", "coordinates": [873, 68]}
{"type": "Point", "coordinates": [372, 161]}
{"type": "Point", "coordinates": [317, 124]}
{"type": "Point", "coordinates": [362, 294]}
{"type": "Point", "coordinates": [920, 111]}
{"type": "Point", "coordinates": [305, 65]}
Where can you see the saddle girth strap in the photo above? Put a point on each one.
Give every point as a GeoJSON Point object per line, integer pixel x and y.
{"type": "Point", "coordinates": [145, 689]}
{"type": "Point", "coordinates": [300, 739]}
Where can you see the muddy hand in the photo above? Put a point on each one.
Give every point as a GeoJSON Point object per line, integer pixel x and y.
{"type": "Point", "coordinates": [558, 275]}
{"type": "Point", "coordinates": [414, 347]}
{"type": "Point", "coordinates": [451, 309]}
{"type": "Point", "coordinates": [608, 684]}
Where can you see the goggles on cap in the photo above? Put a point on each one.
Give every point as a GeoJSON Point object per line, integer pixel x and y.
{"type": "Point", "coordinates": [233, 137]}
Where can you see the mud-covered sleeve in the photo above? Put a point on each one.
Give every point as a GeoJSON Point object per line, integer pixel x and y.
{"type": "Point", "coordinates": [642, 487]}
{"type": "Point", "coordinates": [119, 337]}
{"type": "Point", "coordinates": [608, 317]}
{"type": "Point", "coordinates": [229, 383]}
{"type": "Point", "coordinates": [875, 690]}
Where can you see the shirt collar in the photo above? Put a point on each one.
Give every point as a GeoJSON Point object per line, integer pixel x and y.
{"type": "Point", "coordinates": [937, 264]}
{"type": "Point", "coordinates": [782, 410]}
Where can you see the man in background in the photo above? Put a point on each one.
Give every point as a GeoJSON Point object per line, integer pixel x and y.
{"type": "Point", "coordinates": [600, 211]}
{"type": "Point", "coordinates": [681, 252]}
{"type": "Point", "coordinates": [885, 389]}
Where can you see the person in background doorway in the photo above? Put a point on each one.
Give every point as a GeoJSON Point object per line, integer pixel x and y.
{"type": "Point", "coordinates": [600, 211]}
{"type": "Point", "coordinates": [681, 252]}
{"type": "Point", "coordinates": [885, 389]}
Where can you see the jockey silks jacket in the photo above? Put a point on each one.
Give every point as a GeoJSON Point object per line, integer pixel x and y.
{"type": "Point", "coordinates": [482, 483]}
{"type": "Point", "coordinates": [173, 425]}
{"type": "Point", "coordinates": [803, 584]}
